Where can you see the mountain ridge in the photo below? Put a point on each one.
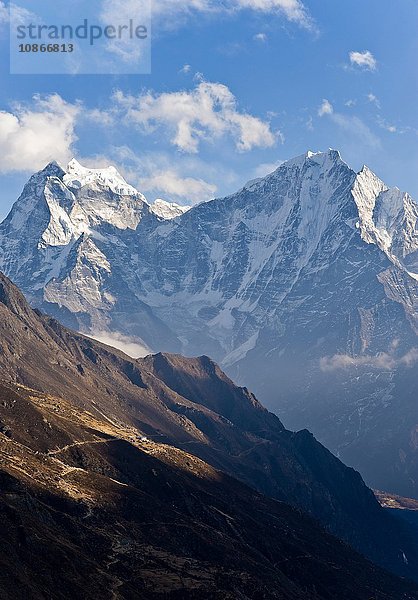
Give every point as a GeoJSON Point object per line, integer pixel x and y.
{"type": "Point", "coordinates": [301, 276]}
{"type": "Point", "coordinates": [161, 522]}
{"type": "Point", "coordinates": [192, 405]}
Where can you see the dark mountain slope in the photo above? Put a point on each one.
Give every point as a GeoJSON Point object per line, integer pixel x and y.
{"type": "Point", "coordinates": [87, 510]}
{"type": "Point", "coordinates": [191, 404]}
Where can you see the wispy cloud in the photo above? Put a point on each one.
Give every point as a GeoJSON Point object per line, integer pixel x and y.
{"type": "Point", "coordinates": [373, 99]}
{"type": "Point", "coordinates": [383, 361]}
{"type": "Point", "coordinates": [128, 345]}
{"type": "Point", "coordinates": [351, 124]}
{"type": "Point", "coordinates": [355, 127]}
{"type": "Point", "coordinates": [17, 15]}
{"type": "Point", "coordinates": [205, 113]}
{"type": "Point", "coordinates": [293, 10]}
{"type": "Point", "coordinates": [171, 12]}
{"type": "Point", "coordinates": [185, 69]}
{"type": "Point", "coordinates": [119, 13]}
{"type": "Point", "coordinates": [4, 13]}
{"type": "Point", "coordinates": [326, 108]}
{"type": "Point", "coordinates": [309, 124]}
{"type": "Point", "coordinates": [266, 168]}
{"type": "Point", "coordinates": [104, 118]}
{"type": "Point", "coordinates": [390, 127]}
{"type": "Point", "coordinates": [364, 60]}
{"type": "Point", "coordinates": [159, 174]}
{"type": "Point", "coordinates": [260, 37]}
{"type": "Point", "coordinates": [171, 184]}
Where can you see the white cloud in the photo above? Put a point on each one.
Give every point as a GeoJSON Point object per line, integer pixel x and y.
{"type": "Point", "coordinates": [355, 127]}
{"type": "Point", "coordinates": [260, 37]}
{"type": "Point", "coordinates": [30, 137]}
{"type": "Point", "coordinates": [352, 125]}
{"type": "Point", "coordinates": [383, 361]}
{"type": "Point", "coordinates": [21, 16]}
{"type": "Point", "coordinates": [170, 183]}
{"type": "Point", "coordinates": [344, 361]}
{"type": "Point", "coordinates": [128, 345]}
{"type": "Point", "coordinates": [364, 60]}
{"type": "Point", "coordinates": [17, 14]}
{"type": "Point", "coordinates": [350, 103]}
{"type": "Point", "coordinates": [104, 118]}
{"type": "Point", "coordinates": [119, 13]}
{"type": "Point", "coordinates": [266, 168]}
{"type": "Point", "coordinates": [231, 49]}
{"type": "Point", "coordinates": [293, 10]}
{"type": "Point", "coordinates": [4, 13]}
{"type": "Point", "coordinates": [326, 108]}
{"type": "Point", "coordinates": [389, 126]}
{"type": "Point", "coordinates": [373, 100]}
{"type": "Point", "coordinates": [309, 124]}
{"type": "Point", "coordinates": [185, 69]}
{"type": "Point", "coordinates": [205, 113]}
{"type": "Point", "coordinates": [159, 175]}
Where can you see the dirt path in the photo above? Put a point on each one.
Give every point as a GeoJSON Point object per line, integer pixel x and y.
{"type": "Point", "coordinates": [64, 448]}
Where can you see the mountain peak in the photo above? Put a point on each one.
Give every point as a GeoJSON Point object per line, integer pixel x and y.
{"type": "Point", "coordinates": [305, 167]}
{"type": "Point", "coordinates": [53, 165]}
{"type": "Point", "coordinates": [330, 153]}
{"type": "Point", "coordinates": [52, 169]}
{"type": "Point", "coordinates": [331, 156]}
{"type": "Point", "coordinates": [324, 160]}
{"type": "Point", "coordinates": [78, 176]}
{"type": "Point", "coordinates": [168, 210]}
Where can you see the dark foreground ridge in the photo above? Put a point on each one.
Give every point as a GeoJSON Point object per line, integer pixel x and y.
{"type": "Point", "coordinates": [90, 511]}
{"type": "Point", "coordinates": [97, 501]}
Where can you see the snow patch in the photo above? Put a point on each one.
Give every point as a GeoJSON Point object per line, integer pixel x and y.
{"type": "Point", "coordinates": [78, 176]}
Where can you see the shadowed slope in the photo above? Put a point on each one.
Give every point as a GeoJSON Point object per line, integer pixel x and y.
{"type": "Point", "coordinates": [191, 404]}
{"type": "Point", "coordinates": [89, 510]}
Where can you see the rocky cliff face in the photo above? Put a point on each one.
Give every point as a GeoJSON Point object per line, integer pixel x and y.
{"type": "Point", "coordinates": [302, 285]}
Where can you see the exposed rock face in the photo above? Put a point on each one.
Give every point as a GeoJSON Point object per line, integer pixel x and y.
{"type": "Point", "coordinates": [302, 285]}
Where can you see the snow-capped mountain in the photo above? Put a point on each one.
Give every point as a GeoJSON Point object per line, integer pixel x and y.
{"type": "Point", "coordinates": [168, 210]}
{"type": "Point", "coordinates": [303, 285]}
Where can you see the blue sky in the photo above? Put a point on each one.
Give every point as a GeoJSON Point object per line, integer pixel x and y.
{"type": "Point", "coordinates": [236, 87]}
